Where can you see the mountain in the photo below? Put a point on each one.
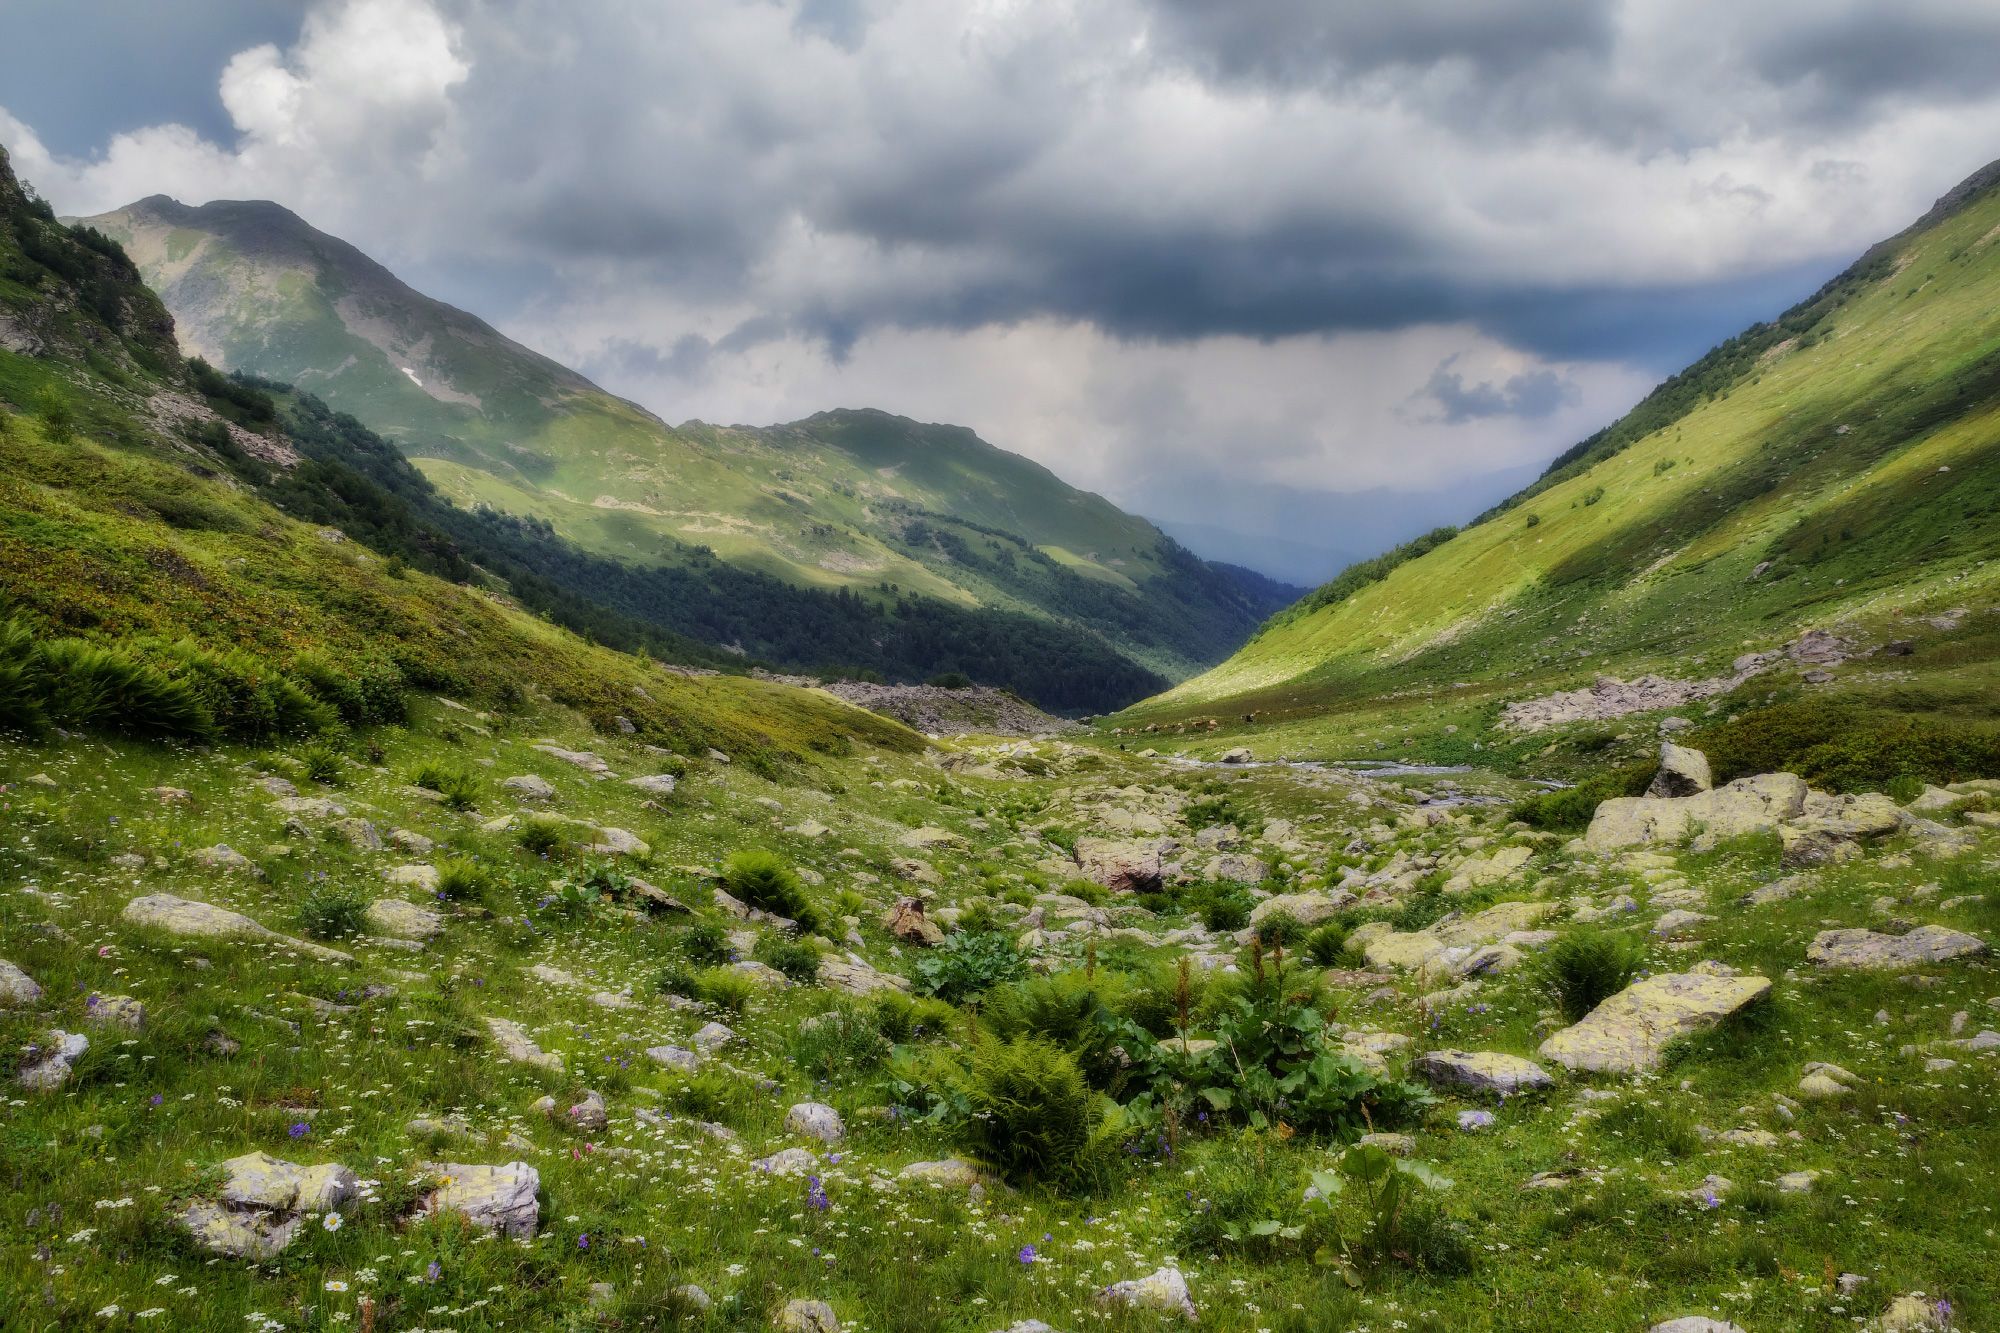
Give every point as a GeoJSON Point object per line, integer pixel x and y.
{"type": "Point", "coordinates": [861, 501]}
{"type": "Point", "coordinates": [1834, 469]}
{"type": "Point", "coordinates": [150, 581]}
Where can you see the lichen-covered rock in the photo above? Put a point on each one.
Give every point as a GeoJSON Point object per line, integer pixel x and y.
{"type": "Point", "coordinates": [618, 842]}
{"type": "Point", "coordinates": [1629, 1032]}
{"type": "Point", "coordinates": [1308, 909]}
{"type": "Point", "coordinates": [807, 1317]}
{"type": "Point", "coordinates": [184, 916]}
{"type": "Point", "coordinates": [239, 1234]}
{"type": "Point", "coordinates": [516, 1045]}
{"type": "Point", "coordinates": [1486, 869]}
{"type": "Point", "coordinates": [224, 858]}
{"type": "Point", "coordinates": [675, 1057]}
{"type": "Point", "coordinates": [404, 920]}
{"type": "Point", "coordinates": [16, 986]}
{"type": "Point", "coordinates": [853, 977]}
{"type": "Point", "coordinates": [655, 784]}
{"type": "Point", "coordinates": [259, 1180]}
{"type": "Point", "coordinates": [951, 1173]}
{"type": "Point", "coordinates": [1480, 1071]}
{"type": "Point", "coordinates": [115, 1011]}
{"type": "Point", "coordinates": [816, 1120]}
{"type": "Point", "coordinates": [1165, 1291]}
{"type": "Point", "coordinates": [54, 1061]}
{"type": "Point", "coordinates": [1683, 772]}
{"type": "Point", "coordinates": [499, 1199]}
{"type": "Point", "coordinates": [1868, 951]}
{"type": "Point", "coordinates": [1748, 805]}
{"type": "Point", "coordinates": [907, 922]}
{"type": "Point", "coordinates": [787, 1162]}
{"type": "Point", "coordinates": [529, 787]}
{"type": "Point", "coordinates": [1122, 867]}
{"type": "Point", "coordinates": [712, 1037]}
{"type": "Point", "coordinates": [1237, 868]}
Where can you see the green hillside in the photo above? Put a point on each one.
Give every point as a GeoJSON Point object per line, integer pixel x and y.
{"type": "Point", "coordinates": [1834, 469]}
{"type": "Point", "coordinates": [844, 500]}
{"type": "Point", "coordinates": [126, 523]}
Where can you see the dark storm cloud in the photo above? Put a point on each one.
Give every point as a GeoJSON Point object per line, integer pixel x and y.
{"type": "Point", "coordinates": [1310, 41]}
{"type": "Point", "coordinates": [1531, 394]}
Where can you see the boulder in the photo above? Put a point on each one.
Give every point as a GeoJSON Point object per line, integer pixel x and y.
{"type": "Point", "coordinates": [907, 922]}
{"type": "Point", "coordinates": [1804, 848]}
{"type": "Point", "coordinates": [816, 1120]}
{"type": "Point", "coordinates": [259, 1180]}
{"type": "Point", "coordinates": [115, 1011]}
{"type": "Point", "coordinates": [1683, 772]}
{"type": "Point", "coordinates": [1236, 868]}
{"type": "Point", "coordinates": [930, 838]}
{"type": "Point", "coordinates": [500, 1199]}
{"type": "Point", "coordinates": [1695, 1323]}
{"type": "Point", "coordinates": [1484, 870]}
{"type": "Point", "coordinates": [1308, 909]}
{"type": "Point", "coordinates": [655, 784]}
{"type": "Point", "coordinates": [807, 1317]}
{"type": "Point", "coordinates": [857, 978]}
{"type": "Point", "coordinates": [951, 1173]}
{"type": "Point", "coordinates": [1747, 805]}
{"type": "Point", "coordinates": [515, 1045]}
{"type": "Point", "coordinates": [1480, 1071]}
{"type": "Point", "coordinates": [238, 1234]}
{"type": "Point", "coordinates": [529, 787]}
{"type": "Point", "coordinates": [57, 1060]}
{"type": "Point", "coordinates": [787, 1162]}
{"type": "Point", "coordinates": [1164, 1291]}
{"type": "Point", "coordinates": [224, 858]}
{"type": "Point", "coordinates": [712, 1037]}
{"type": "Point", "coordinates": [1122, 867]}
{"type": "Point", "coordinates": [184, 916]}
{"type": "Point", "coordinates": [592, 764]}
{"type": "Point", "coordinates": [1865, 950]}
{"type": "Point", "coordinates": [618, 842]}
{"type": "Point", "coordinates": [1629, 1032]}
{"type": "Point", "coordinates": [16, 986]}
{"type": "Point", "coordinates": [404, 920]}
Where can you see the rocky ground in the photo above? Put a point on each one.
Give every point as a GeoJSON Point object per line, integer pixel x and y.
{"type": "Point", "coordinates": [505, 1052]}
{"type": "Point", "coordinates": [936, 711]}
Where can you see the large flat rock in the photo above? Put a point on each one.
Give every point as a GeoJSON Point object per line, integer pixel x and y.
{"type": "Point", "coordinates": [494, 1198]}
{"type": "Point", "coordinates": [1480, 1071]}
{"type": "Point", "coordinates": [1868, 951]}
{"type": "Point", "coordinates": [1629, 1032]}
{"type": "Point", "coordinates": [185, 916]}
{"type": "Point", "coordinates": [1747, 805]}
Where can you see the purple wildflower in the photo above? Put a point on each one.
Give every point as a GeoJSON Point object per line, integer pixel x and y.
{"type": "Point", "coordinates": [816, 1195]}
{"type": "Point", "coordinates": [1027, 1254]}
{"type": "Point", "coordinates": [299, 1129]}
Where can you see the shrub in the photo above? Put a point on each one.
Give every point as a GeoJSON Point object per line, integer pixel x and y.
{"type": "Point", "coordinates": [1584, 968]}
{"type": "Point", "coordinates": [248, 697]}
{"type": "Point", "coordinates": [1034, 1118]}
{"type": "Point", "coordinates": [1226, 909]}
{"type": "Point", "coordinates": [542, 836]}
{"type": "Point", "coordinates": [1570, 809]}
{"type": "Point", "coordinates": [461, 879]}
{"type": "Point", "coordinates": [23, 680]}
{"type": "Point", "coordinates": [321, 764]}
{"type": "Point", "coordinates": [1846, 746]}
{"type": "Point", "coordinates": [333, 911]}
{"type": "Point", "coordinates": [797, 959]}
{"type": "Point", "coordinates": [458, 786]}
{"type": "Point", "coordinates": [763, 880]}
{"type": "Point", "coordinates": [98, 688]}
{"type": "Point", "coordinates": [1156, 999]}
{"type": "Point", "coordinates": [902, 1019]}
{"type": "Point", "coordinates": [843, 1038]}
{"type": "Point", "coordinates": [1063, 1008]}
{"type": "Point", "coordinates": [1326, 945]}
{"type": "Point", "coordinates": [725, 988]}
{"type": "Point", "coordinates": [363, 693]}
{"type": "Point", "coordinates": [1280, 928]}
{"type": "Point", "coordinates": [706, 943]}
{"type": "Point", "coordinates": [968, 964]}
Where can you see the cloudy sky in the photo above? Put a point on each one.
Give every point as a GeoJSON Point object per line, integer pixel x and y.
{"type": "Point", "coordinates": [1295, 277]}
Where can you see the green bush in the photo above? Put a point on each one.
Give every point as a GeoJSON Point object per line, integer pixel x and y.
{"type": "Point", "coordinates": [1154, 999]}
{"type": "Point", "coordinates": [363, 693]}
{"type": "Point", "coordinates": [1225, 909]}
{"type": "Point", "coordinates": [249, 698]}
{"type": "Point", "coordinates": [1584, 968]}
{"type": "Point", "coordinates": [462, 879]}
{"type": "Point", "coordinates": [333, 911]}
{"type": "Point", "coordinates": [1280, 928]}
{"type": "Point", "coordinates": [97, 688]}
{"type": "Point", "coordinates": [458, 786]}
{"type": "Point", "coordinates": [1569, 810]}
{"type": "Point", "coordinates": [541, 835]}
{"type": "Point", "coordinates": [1033, 1116]}
{"type": "Point", "coordinates": [321, 764]}
{"type": "Point", "coordinates": [764, 880]}
{"type": "Point", "coordinates": [1327, 945]}
{"type": "Point", "coordinates": [968, 964]}
{"type": "Point", "coordinates": [797, 959]}
{"type": "Point", "coordinates": [725, 988]}
{"type": "Point", "coordinates": [23, 680]}
{"type": "Point", "coordinates": [842, 1039]}
{"type": "Point", "coordinates": [1848, 746]}
{"type": "Point", "coordinates": [705, 943]}
{"type": "Point", "coordinates": [902, 1019]}
{"type": "Point", "coordinates": [1063, 1008]}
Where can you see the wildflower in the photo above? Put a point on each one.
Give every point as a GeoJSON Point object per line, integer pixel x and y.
{"type": "Point", "coordinates": [433, 1272]}
{"type": "Point", "coordinates": [299, 1129]}
{"type": "Point", "coordinates": [816, 1195]}
{"type": "Point", "coordinates": [335, 1284]}
{"type": "Point", "coordinates": [331, 1221]}
{"type": "Point", "coordinates": [1027, 1254]}
{"type": "Point", "coordinates": [583, 1241]}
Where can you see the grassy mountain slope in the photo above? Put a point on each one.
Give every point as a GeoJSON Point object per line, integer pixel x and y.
{"type": "Point", "coordinates": [857, 500]}
{"type": "Point", "coordinates": [1835, 466]}
{"type": "Point", "coordinates": [124, 522]}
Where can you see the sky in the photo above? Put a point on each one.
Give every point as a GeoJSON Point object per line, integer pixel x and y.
{"type": "Point", "coordinates": [1295, 279]}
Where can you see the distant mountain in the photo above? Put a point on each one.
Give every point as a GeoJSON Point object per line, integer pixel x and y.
{"type": "Point", "coordinates": [857, 500]}
{"type": "Point", "coordinates": [1836, 467]}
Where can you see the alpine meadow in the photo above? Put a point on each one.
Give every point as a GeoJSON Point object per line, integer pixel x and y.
{"type": "Point", "coordinates": [476, 856]}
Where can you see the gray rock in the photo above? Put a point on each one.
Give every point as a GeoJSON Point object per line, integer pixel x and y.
{"type": "Point", "coordinates": [224, 858]}
{"type": "Point", "coordinates": [1164, 1291]}
{"type": "Point", "coordinates": [675, 1057]}
{"type": "Point", "coordinates": [1629, 1032]}
{"type": "Point", "coordinates": [404, 920]}
{"type": "Point", "coordinates": [816, 1120]}
{"type": "Point", "coordinates": [119, 1011]}
{"type": "Point", "coordinates": [259, 1180]}
{"type": "Point", "coordinates": [184, 916]}
{"type": "Point", "coordinates": [1865, 950]}
{"type": "Point", "coordinates": [529, 787]}
{"type": "Point", "coordinates": [1480, 1071]}
{"type": "Point", "coordinates": [1236, 868]}
{"type": "Point", "coordinates": [53, 1069]}
{"type": "Point", "coordinates": [16, 986]}
{"type": "Point", "coordinates": [515, 1045]}
{"type": "Point", "coordinates": [1695, 1323]}
{"type": "Point", "coordinates": [656, 784]}
{"type": "Point", "coordinates": [807, 1317]}
{"type": "Point", "coordinates": [499, 1199]}
{"type": "Point", "coordinates": [1683, 772]}
{"type": "Point", "coordinates": [787, 1162]}
{"type": "Point", "coordinates": [711, 1037]}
